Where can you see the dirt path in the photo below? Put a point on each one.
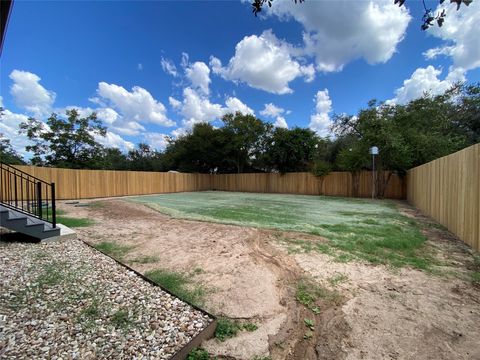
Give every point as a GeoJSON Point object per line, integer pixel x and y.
{"type": "Point", "coordinates": [381, 315]}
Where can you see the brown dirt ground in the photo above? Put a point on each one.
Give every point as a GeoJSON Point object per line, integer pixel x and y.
{"type": "Point", "coordinates": [383, 313]}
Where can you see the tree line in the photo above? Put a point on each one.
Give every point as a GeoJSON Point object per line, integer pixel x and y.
{"type": "Point", "coordinates": [407, 135]}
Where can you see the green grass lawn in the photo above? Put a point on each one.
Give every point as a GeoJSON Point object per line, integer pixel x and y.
{"type": "Point", "coordinates": [371, 230]}
{"type": "Point", "coordinates": [72, 222]}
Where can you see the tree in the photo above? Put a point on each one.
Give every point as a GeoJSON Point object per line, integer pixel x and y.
{"type": "Point", "coordinates": [353, 158]}
{"type": "Point", "coordinates": [407, 135]}
{"type": "Point", "coordinates": [429, 17]}
{"type": "Point", "coordinates": [247, 139]}
{"type": "Point", "coordinates": [65, 142]}
{"type": "Point", "coordinates": [466, 115]}
{"type": "Point", "coordinates": [427, 127]}
{"type": "Point", "coordinates": [321, 169]}
{"type": "Point", "coordinates": [113, 159]}
{"type": "Point", "coordinates": [291, 150]}
{"type": "Point", "coordinates": [7, 154]}
{"type": "Point", "coordinates": [203, 150]}
{"type": "Point", "coordinates": [144, 158]}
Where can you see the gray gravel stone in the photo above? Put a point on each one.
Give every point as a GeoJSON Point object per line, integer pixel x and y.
{"type": "Point", "coordinates": [64, 300]}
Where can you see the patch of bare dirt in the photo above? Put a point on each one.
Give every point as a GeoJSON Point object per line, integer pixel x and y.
{"type": "Point", "coordinates": [383, 315]}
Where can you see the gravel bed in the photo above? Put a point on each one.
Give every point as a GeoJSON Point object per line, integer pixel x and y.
{"type": "Point", "coordinates": [64, 300]}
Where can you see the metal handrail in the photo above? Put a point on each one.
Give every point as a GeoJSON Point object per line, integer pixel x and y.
{"type": "Point", "coordinates": [27, 194]}
{"type": "Point", "coordinates": [7, 167]}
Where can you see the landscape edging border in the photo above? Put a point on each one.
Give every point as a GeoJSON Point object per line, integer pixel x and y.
{"type": "Point", "coordinates": [205, 334]}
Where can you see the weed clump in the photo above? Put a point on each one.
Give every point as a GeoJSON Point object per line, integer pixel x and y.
{"type": "Point", "coordinates": [179, 284]}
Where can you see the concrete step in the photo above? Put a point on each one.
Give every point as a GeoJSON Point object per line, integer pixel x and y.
{"type": "Point", "coordinates": [26, 224]}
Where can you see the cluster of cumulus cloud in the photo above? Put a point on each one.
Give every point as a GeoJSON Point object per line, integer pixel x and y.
{"type": "Point", "coordinates": [334, 33]}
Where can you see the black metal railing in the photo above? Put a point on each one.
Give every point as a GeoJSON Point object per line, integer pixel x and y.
{"type": "Point", "coordinates": [27, 194]}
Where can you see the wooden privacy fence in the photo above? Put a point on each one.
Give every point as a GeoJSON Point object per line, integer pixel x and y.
{"type": "Point", "coordinates": [83, 184]}
{"type": "Point", "coordinates": [334, 184]}
{"type": "Point", "coordinates": [448, 190]}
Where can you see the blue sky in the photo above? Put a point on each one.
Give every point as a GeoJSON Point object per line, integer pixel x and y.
{"type": "Point", "coordinates": [151, 69]}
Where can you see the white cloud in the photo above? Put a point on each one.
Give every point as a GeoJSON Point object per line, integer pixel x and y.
{"type": "Point", "coordinates": [9, 127]}
{"type": "Point", "coordinates": [1, 101]}
{"type": "Point", "coordinates": [139, 66]}
{"type": "Point", "coordinates": [236, 105]}
{"type": "Point", "coordinates": [174, 103]}
{"type": "Point", "coordinates": [199, 76]}
{"type": "Point", "coordinates": [280, 122]}
{"type": "Point", "coordinates": [169, 67]}
{"type": "Point", "coordinates": [426, 80]}
{"type": "Point", "coordinates": [320, 121]}
{"type": "Point", "coordinates": [137, 105]}
{"type": "Point", "coordinates": [460, 32]}
{"type": "Point", "coordinates": [185, 60]}
{"type": "Point", "coordinates": [29, 95]}
{"type": "Point", "coordinates": [309, 72]}
{"type": "Point", "coordinates": [340, 31]}
{"type": "Point", "coordinates": [263, 62]}
{"type": "Point", "coordinates": [130, 128]}
{"type": "Point", "coordinates": [157, 141]}
{"type": "Point", "coordinates": [107, 115]}
{"type": "Point", "coordinates": [271, 110]}
{"type": "Point", "coordinates": [114, 140]}
{"type": "Point", "coordinates": [196, 108]}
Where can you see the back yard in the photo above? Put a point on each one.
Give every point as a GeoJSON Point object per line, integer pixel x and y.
{"type": "Point", "coordinates": [300, 277]}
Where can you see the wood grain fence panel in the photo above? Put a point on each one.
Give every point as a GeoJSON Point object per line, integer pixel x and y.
{"type": "Point", "coordinates": [84, 184]}
{"type": "Point", "coordinates": [448, 190]}
{"type": "Point", "coordinates": [335, 184]}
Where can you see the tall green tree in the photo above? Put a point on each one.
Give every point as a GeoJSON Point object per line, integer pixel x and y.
{"type": "Point", "coordinates": [466, 116]}
{"type": "Point", "coordinates": [203, 149]}
{"type": "Point", "coordinates": [144, 158]}
{"type": "Point", "coordinates": [65, 142]}
{"type": "Point", "coordinates": [8, 155]}
{"type": "Point", "coordinates": [427, 129]}
{"type": "Point", "coordinates": [353, 158]}
{"type": "Point", "coordinates": [291, 150]}
{"type": "Point", "coordinates": [407, 135]}
{"type": "Point", "coordinates": [113, 159]}
{"type": "Point", "coordinates": [247, 139]}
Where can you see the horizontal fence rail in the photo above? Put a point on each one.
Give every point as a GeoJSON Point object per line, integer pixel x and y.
{"type": "Point", "coordinates": [448, 190]}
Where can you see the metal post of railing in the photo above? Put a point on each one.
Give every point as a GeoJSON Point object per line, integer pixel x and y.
{"type": "Point", "coordinates": [16, 193]}
{"type": "Point", "coordinates": [21, 190]}
{"type": "Point", "coordinates": [27, 184]}
{"type": "Point", "coordinates": [54, 209]}
{"type": "Point", "coordinates": [39, 199]}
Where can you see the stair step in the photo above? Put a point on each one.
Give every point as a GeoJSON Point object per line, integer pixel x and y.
{"type": "Point", "coordinates": [17, 218]}
{"type": "Point", "coordinates": [33, 226]}
{"type": "Point", "coordinates": [26, 224]}
{"type": "Point", "coordinates": [47, 230]}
